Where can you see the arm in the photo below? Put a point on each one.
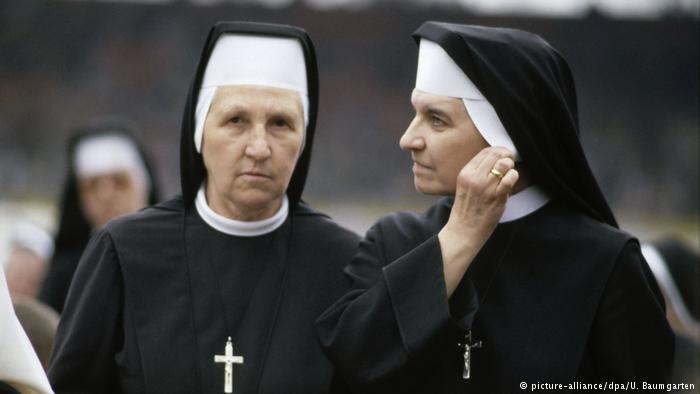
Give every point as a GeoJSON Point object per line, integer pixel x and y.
{"type": "Point", "coordinates": [399, 308]}
{"type": "Point", "coordinates": [630, 338]}
{"type": "Point", "coordinates": [89, 332]}
{"type": "Point", "coordinates": [394, 310]}
{"type": "Point", "coordinates": [480, 199]}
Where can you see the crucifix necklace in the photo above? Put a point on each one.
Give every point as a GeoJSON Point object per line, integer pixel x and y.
{"type": "Point", "coordinates": [484, 269]}
{"type": "Point", "coordinates": [228, 359]}
{"type": "Point", "coordinates": [468, 346]}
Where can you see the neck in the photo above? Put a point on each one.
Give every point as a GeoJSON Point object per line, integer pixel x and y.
{"type": "Point", "coordinates": [229, 209]}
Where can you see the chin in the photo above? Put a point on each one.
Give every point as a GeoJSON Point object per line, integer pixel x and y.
{"type": "Point", "coordinates": [424, 187]}
{"type": "Point", "coordinates": [431, 189]}
{"type": "Point", "coordinates": [257, 199]}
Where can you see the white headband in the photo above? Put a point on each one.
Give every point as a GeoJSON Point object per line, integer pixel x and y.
{"type": "Point", "coordinates": [438, 74]}
{"type": "Point", "coordinates": [102, 154]}
{"type": "Point", "coordinates": [34, 238]}
{"type": "Point", "coordinates": [239, 59]}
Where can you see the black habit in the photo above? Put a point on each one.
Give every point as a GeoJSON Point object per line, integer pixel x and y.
{"type": "Point", "coordinates": [557, 296]}
{"type": "Point", "coordinates": [73, 228]}
{"type": "Point", "coordinates": [158, 293]}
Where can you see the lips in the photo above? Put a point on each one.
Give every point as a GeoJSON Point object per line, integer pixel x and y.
{"type": "Point", "coordinates": [420, 166]}
{"type": "Point", "coordinates": [255, 175]}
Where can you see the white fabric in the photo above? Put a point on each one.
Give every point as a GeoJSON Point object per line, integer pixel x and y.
{"type": "Point", "coordinates": [524, 203]}
{"type": "Point", "coordinates": [33, 238]}
{"type": "Point", "coordinates": [236, 227]}
{"type": "Point", "coordinates": [107, 153]}
{"type": "Point", "coordinates": [19, 365]}
{"type": "Point", "coordinates": [240, 59]}
{"type": "Point", "coordinates": [438, 74]}
{"type": "Point", "coordinates": [658, 266]}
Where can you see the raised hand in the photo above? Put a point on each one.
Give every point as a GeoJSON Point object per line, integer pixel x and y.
{"type": "Point", "coordinates": [482, 189]}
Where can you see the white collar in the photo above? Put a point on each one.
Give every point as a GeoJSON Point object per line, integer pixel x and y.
{"type": "Point", "coordinates": [524, 203]}
{"type": "Point", "coordinates": [236, 227]}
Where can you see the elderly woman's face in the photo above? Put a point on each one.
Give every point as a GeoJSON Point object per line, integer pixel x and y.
{"type": "Point", "coordinates": [106, 196]}
{"type": "Point", "coordinates": [442, 139]}
{"type": "Point", "coordinates": [251, 142]}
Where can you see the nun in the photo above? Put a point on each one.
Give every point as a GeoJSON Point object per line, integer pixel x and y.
{"type": "Point", "coordinates": [518, 277]}
{"type": "Point", "coordinates": [217, 290]}
{"type": "Point", "coordinates": [109, 175]}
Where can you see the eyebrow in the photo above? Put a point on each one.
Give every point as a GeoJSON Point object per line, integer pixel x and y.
{"type": "Point", "coordinates": [282, 114]}
{"type": "Point", "coordinates": [438, 112]}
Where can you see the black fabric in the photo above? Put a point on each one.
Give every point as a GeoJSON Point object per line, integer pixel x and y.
{"type": "Point", "coordinates": [555, 297]}
{"type": "Point", "coordinates": [686, 362]}
{"type": "Point", "coordinates": [148, 312]}
{"type": "Point", "coordinates": [684, 266]}
{"type": "Point", "coordinates": [7, 389]}
{"type": "Point", "coordinates": [532, 90]}
{"type": "Point", "coordinates": [73, 227]}
{"type": "Point", "coordinates": [192, 171]}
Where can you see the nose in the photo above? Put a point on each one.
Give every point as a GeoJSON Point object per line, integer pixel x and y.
{"type": "Point", "coordinates": [412, 139]}
{"type": "Point", "coordinates": [105, 189]}
{"type": "Point", "coordinates": [258, 149]}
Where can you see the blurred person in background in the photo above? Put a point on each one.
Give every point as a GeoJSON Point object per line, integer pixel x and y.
{"type": "Point", "coordinates": [109, 175]}
{"type": "Point", "coordinates": [217, 290]}
{"type": "Point", "coordinates": [677, 269]}
{"type": "Point", "coordinates": [31, 248]}
{"type": "Point", "coordinates": [520, 274]}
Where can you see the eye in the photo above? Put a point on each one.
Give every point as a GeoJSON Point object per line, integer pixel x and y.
{"type": "Point", "coordinates": [236, 120]}
{"type": "Point", "coordinates": [281, 123]}
{"type": "Point", "coordinates": [121, 180]}
{"type": "Point", "coordinates": [435, 121]}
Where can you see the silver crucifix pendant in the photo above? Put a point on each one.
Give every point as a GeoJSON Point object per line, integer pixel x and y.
{"type": "Point", "coordinates": [467, 346]}
{"type": "Point", "coordinates": [228, 359]}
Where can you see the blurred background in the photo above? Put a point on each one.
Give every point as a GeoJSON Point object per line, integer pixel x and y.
{"type": "Point", "coordinates": [64, 63]}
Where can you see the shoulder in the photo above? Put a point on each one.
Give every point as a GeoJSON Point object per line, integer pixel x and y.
{"type": "Point", "coordinates": [564, 226]}
{"type": "Point", "coordinates": [569, 244]}
{"type": "Point", "coordinates": [156, 220]}
{"type": "Point", "coordinates": [411, 227]}
{"type": "Point", "coordinates": [311, 222]}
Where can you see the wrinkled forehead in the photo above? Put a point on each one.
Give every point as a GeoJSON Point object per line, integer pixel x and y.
{"type": "Point", "coordinates": [256, 98]}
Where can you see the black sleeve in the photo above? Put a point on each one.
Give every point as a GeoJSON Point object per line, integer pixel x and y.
{"type": "Point", "coordinates": [630, 338]}
{"type": "Point", "coordinates": [89, 333]}
{"type": "Point", "coordinates": [58, 278]}
{"type": "Point", "coordinates": [394, 311]}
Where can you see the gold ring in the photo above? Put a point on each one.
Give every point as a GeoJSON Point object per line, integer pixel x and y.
{"type": "Point", "coordinates": [496, 173]}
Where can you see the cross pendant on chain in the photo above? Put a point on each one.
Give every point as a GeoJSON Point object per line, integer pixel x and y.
{"type": "Point", "coordinates": [468, 346]}
{"type": "Point", "coordinates": [228, 359]}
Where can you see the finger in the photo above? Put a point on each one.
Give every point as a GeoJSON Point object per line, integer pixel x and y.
{"type": "Point", "coordinates": [492, 155]}
{"type": "Point", "coordinates": [500, 168]}
{"type": "Point", "coordinates": [507, 183]}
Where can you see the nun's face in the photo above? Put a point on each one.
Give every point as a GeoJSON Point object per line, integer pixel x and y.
{"type": "Point", "coordinates": [442, 139]}
{"type": "Point", "coordinates": [251, 142]}
{"type": "Point", "coordinates": [106, 196]}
